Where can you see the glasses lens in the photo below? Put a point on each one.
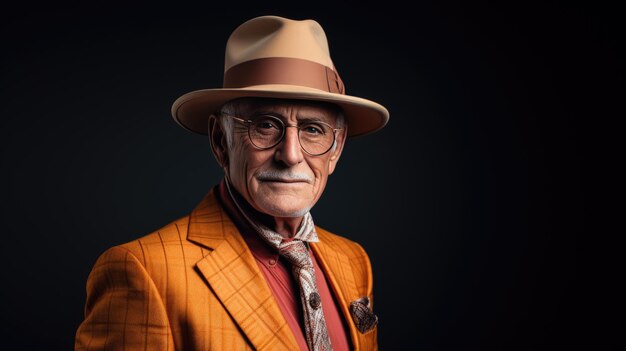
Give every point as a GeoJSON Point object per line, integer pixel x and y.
{"type": "Point", "coordinates": [266, 131]}
{"type": "Point", "coordinates": [316, 138]}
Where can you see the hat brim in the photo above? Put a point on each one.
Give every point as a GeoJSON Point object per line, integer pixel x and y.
{"type": "Point", "coordinates": [192, 110]}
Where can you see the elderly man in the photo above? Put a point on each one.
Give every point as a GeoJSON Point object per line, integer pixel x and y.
{"type": "Point", "coordinates": [248, 268]}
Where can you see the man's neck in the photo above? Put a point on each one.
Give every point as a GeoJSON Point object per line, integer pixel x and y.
{"type": "Point", "coordinates": [285, 226]}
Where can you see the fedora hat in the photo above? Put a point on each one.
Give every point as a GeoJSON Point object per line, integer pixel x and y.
{"type": "Point", "coordinates": [276, 57]}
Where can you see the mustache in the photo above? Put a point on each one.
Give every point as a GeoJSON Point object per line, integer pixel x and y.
{"type": "Point", "coordinates": [283, 175]}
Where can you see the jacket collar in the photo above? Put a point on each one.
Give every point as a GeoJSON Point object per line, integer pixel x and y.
{"type": "Point", "coordinates": [338, 270]}
{"type": "Point", "coordinates": [233, 274]}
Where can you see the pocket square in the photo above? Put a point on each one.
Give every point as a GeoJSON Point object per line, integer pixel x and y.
{"type": "Point", "coordinates": [362, 314]}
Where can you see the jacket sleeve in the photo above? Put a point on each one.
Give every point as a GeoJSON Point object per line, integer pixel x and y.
{"type": "Point", "coordinates": [123, 309]}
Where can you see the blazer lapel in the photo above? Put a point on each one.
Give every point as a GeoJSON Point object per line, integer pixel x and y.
{"type": "Point", "coordinates": [234, 276]}
{"type": "Point", "coordinates": [338, 271]}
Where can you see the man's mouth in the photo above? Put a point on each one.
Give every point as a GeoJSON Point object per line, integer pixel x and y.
{"type": "Point", "coordinates": [292, 178]}
{"type": "Point", "coordinates": [283, 180]}
{"type": "Point", "coordinates": [288, 180]}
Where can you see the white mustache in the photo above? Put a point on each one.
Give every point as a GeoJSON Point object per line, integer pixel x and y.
{"type": "Point", "coordinates": [283, 176]}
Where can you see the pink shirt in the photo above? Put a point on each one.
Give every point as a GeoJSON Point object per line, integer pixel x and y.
{"type": "Point", "coordinates": [278, 274]}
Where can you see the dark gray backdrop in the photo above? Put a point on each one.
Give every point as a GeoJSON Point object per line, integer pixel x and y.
{"type": "Point", "coordinates": [471, 202]}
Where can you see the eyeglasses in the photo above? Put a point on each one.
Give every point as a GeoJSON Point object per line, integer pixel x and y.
{"type": "Point", "coordinates": [266, 131]}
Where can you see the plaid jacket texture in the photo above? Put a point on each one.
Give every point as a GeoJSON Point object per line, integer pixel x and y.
{"type": "Point", "coordinates": [194, 285]}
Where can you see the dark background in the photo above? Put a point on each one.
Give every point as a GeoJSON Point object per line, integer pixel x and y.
{"type": "Point", "coordinates": [475, 202]}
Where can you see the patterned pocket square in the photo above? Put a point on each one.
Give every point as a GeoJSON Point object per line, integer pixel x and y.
{"type": "Point", "coordinates": [363, 316]}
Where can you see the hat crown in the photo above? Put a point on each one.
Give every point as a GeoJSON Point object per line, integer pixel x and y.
{"type": "Point", "coordinates": [274, 36]}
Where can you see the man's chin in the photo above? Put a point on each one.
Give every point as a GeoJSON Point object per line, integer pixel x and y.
{"type": "Point", "coordinates": [282, 204]}
{"type": "Point", "coordinates": [272, 209]}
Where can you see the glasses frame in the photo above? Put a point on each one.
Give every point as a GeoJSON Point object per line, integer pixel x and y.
{"type": "Point", "coordinates": [248, 122]}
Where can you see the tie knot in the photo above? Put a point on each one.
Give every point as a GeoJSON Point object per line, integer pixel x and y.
{"type": "Point", "coordinates": [295, 251]}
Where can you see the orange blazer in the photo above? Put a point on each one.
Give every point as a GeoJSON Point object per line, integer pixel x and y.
{"type": "Point", "coordinates": [194, 285]}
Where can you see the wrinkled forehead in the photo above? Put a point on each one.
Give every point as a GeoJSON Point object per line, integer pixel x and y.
{"type": "Point", "coordinates": [305, 109]}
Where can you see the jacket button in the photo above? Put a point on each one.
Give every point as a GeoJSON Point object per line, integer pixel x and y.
{"type": "Point", "coordinates": [315, 301]}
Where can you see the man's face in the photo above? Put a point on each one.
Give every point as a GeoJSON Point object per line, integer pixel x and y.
{"type": "Point", "coordinates": [283, 181]}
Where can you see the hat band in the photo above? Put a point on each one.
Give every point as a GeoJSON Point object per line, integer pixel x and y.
{"type": "Point", "coordinates": [284, 70]}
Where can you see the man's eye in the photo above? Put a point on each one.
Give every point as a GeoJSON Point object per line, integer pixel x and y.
{"type": "Point", "coordinates": [312, 129]}
{"type": "Point", "coordinates": [267, 124]}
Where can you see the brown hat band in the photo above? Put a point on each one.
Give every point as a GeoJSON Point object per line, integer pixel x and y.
{"type": "Point", "coordinates": [284, 70]}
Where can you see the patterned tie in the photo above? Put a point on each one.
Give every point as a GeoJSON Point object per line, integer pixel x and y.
{"type": "Point", "coordinates": [296, 252]}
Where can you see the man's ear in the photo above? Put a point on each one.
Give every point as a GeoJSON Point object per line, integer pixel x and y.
{"type": "Point", "coordinates": [334, 154]}
{"type": "Point", "coordinates": [217, 139]}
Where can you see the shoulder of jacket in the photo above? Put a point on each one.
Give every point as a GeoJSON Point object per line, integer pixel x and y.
{"type": "Point", "coordinates": [349, 247]}
{"type": "Point", "coordinates": [174, 231]}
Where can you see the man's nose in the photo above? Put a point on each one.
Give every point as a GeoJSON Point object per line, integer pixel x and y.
{"type": "Point", "coordinates": [289, 151]}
